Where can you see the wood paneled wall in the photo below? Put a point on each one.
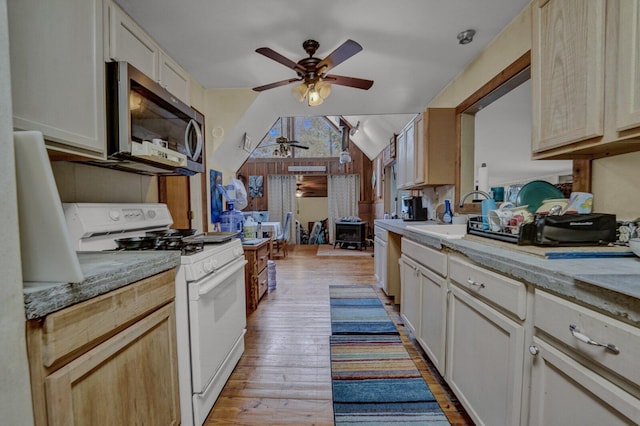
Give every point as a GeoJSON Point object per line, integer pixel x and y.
{"type": "Point", "coordinates": [360, 165]}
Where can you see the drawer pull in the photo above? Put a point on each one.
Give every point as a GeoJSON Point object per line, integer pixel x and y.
{"type": "Point", "coordinates": [586, 339]}
{"type": "Point", "coordinates": [533, 350]}
{"type": "Point", "coordinates": [472, 282]}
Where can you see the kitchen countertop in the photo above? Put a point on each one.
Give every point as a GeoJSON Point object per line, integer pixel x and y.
{"type": "Point", "coordinates": [103, 272]}
{"type": "Point", "coordinates": [610, 285]}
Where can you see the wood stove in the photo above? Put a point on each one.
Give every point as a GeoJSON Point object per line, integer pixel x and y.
{"type": "Point", "coordinates": [350, 234]}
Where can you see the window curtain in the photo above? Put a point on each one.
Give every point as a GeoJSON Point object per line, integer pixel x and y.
{"type": "Point", "coordinates": [344, 194]}
{"type": "Point", "coordinates": [282, 199]}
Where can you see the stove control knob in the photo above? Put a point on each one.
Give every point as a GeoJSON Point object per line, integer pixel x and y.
{"type": "Point", "coordinates": [114, 215]}
{"type": "Point", "coordinates": [151, 214]}
{"type": "Point", "coordinates": [209, 266]}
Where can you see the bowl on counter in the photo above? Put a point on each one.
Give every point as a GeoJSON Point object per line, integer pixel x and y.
{"type": "Point", "coordinates": [634, 244]}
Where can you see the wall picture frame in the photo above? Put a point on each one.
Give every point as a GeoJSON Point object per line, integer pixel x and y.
{"type": "Point", "coordinates": [246, 143]}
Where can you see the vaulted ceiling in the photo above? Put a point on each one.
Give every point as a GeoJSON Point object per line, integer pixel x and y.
{"type": "Point", "coordinates": [410, 51]}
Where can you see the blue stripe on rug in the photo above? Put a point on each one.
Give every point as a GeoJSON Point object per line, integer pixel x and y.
{"type": "Point", "coordinates": [363, 328]}
{"type": "Point", "coordinates": [358, 310]}
{"type": "Point", "coordinates": [382, 390]}
{"type": "Point", "coordinates": [369, 301]}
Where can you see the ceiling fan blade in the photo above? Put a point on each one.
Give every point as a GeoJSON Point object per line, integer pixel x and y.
{"type": "Point", "coordinates": [272, 54]}
{"type": "Point", "coordinates": [358, 83]}
{"type": "Point", "coordinates": [295, 145]}
{"type": "Point", "coordinates": [341, 54]}
{"type": "Point", "coordinates": [276, 84]}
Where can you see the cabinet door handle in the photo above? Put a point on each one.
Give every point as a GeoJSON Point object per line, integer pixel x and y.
{"type": "Point", "coordinates": [586, 339]}
{"type": "Point", "coordinates": [472, 282]}
{"type": "Point", "coordinates": [533, 350]}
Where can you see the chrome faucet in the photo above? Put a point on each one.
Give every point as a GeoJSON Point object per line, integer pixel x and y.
{"type": "Point", "coordinates": [465, 196]}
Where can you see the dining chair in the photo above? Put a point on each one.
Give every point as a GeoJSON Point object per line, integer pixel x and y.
{"type": "Point", "coordinates": [280, 244]}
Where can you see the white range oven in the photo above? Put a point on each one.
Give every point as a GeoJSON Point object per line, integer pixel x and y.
{"type": "Point", "coordinates": [210, 294]}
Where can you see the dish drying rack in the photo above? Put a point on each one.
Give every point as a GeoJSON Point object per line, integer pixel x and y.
{"type": "Point", "coordinates": [475, 227]}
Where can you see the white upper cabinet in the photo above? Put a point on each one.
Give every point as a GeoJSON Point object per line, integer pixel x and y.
{"type": "Point", "coordinates": [174, 78]}
{"type": "Point", "coordinates": [585, 74]}
{"type": "Point", "coordinates": [57, 72]}
{"type": "Point", "coordinates": [127, 41]}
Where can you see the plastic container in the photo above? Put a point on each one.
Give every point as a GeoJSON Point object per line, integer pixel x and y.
{"type": "Point", "coordinates": [232, 220]}
{"type": "Point", "coordinates": [250, 228]}
{"type": "Point", "coordinates": [447, 216]}
{"type": "Point", "coordinates": [271, 275]}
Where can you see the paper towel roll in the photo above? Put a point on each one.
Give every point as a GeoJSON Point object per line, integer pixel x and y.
{"type": "Point", "coordinates": [483, 178]}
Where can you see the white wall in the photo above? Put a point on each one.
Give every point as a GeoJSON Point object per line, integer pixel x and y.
{"type": "Point", "coordinates": [311, 209]}
{"type": "Point", "coordinates": [503, 142]}
{"type": "Point", "coordinates": [15, 393]}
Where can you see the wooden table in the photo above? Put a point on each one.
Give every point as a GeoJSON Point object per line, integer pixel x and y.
{"type": "Point", "coordinates": [255, 272]}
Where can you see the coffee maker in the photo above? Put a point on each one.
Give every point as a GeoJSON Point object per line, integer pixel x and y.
{"type": "Point", "coordinates": [412, 209]}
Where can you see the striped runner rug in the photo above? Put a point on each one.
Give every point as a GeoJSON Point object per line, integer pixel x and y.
{"type": "Point", "coordinates": [374, 379]}
{"type": "Point", "coordinates": [358, 310]}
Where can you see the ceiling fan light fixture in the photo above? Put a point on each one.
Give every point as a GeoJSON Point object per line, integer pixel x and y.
{"type": "Point", "coordinates": [345, 157]}
{"type": "Point", "coordinates": [300, 92]}
{"type": "Point", "coordinates": [314, 97]}
{"type": "Point", "coordinates": [323, 88]}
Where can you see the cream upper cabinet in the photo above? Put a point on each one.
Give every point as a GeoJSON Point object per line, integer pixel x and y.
{"type": "Point", "coordinates": [401, 159]}
{"type": "Point", "coordinates": [585, 74]}
{"type": "Point", "coordinates": [127, 41]}
{"type": "Point", "coordinates": [435, 143]}
{"type": "Point", "coordinates": [57, 72]}
{"type": "Point", "coordinates": [567, 71]}
{"type": "Point", "coordinates": [628, 105]}
{"type": "Point", "coordinates": [406, 156]}
{"type": "Point", "coordinates": [426, 149]}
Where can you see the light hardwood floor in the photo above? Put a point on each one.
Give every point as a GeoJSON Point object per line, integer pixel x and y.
{"type": "Point", "coordinates": [284, 375]}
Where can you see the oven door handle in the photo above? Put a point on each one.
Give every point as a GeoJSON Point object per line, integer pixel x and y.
{"type": "Point", "coordinates": [221, 276]}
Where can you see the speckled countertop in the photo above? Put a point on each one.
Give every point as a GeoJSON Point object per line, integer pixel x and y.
{"type": "Point", "coordinates": [103, 272]}
{"type": "Point", "coordinates": [611, 285]}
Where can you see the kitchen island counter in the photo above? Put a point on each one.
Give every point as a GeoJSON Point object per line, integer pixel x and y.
{"type": "Point", "coordinates": [103, 272]}
{"type": "Point", "coordinates": [615, 291]}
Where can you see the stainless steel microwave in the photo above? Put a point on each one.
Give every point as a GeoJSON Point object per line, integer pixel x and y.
{"type": "Point", "coordinates": [150, 131]}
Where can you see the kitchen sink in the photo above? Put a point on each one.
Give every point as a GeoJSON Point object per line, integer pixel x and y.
{"type": "Point", "coordinates": [451, 231]}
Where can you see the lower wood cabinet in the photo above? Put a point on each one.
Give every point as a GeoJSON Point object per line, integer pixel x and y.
{"type": "Point", "coordinates": [109, 360]}
{"type": "Point", "coordinates": [256, 273]}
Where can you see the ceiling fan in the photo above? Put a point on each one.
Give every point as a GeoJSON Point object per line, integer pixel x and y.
{"type": "Point", "coordinates": [313, 72]}
{"type": "Point", "coordinates": [284, 145]}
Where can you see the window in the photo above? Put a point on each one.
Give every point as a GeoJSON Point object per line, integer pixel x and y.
{"type": "Point", "coordinates": [320, 134]}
